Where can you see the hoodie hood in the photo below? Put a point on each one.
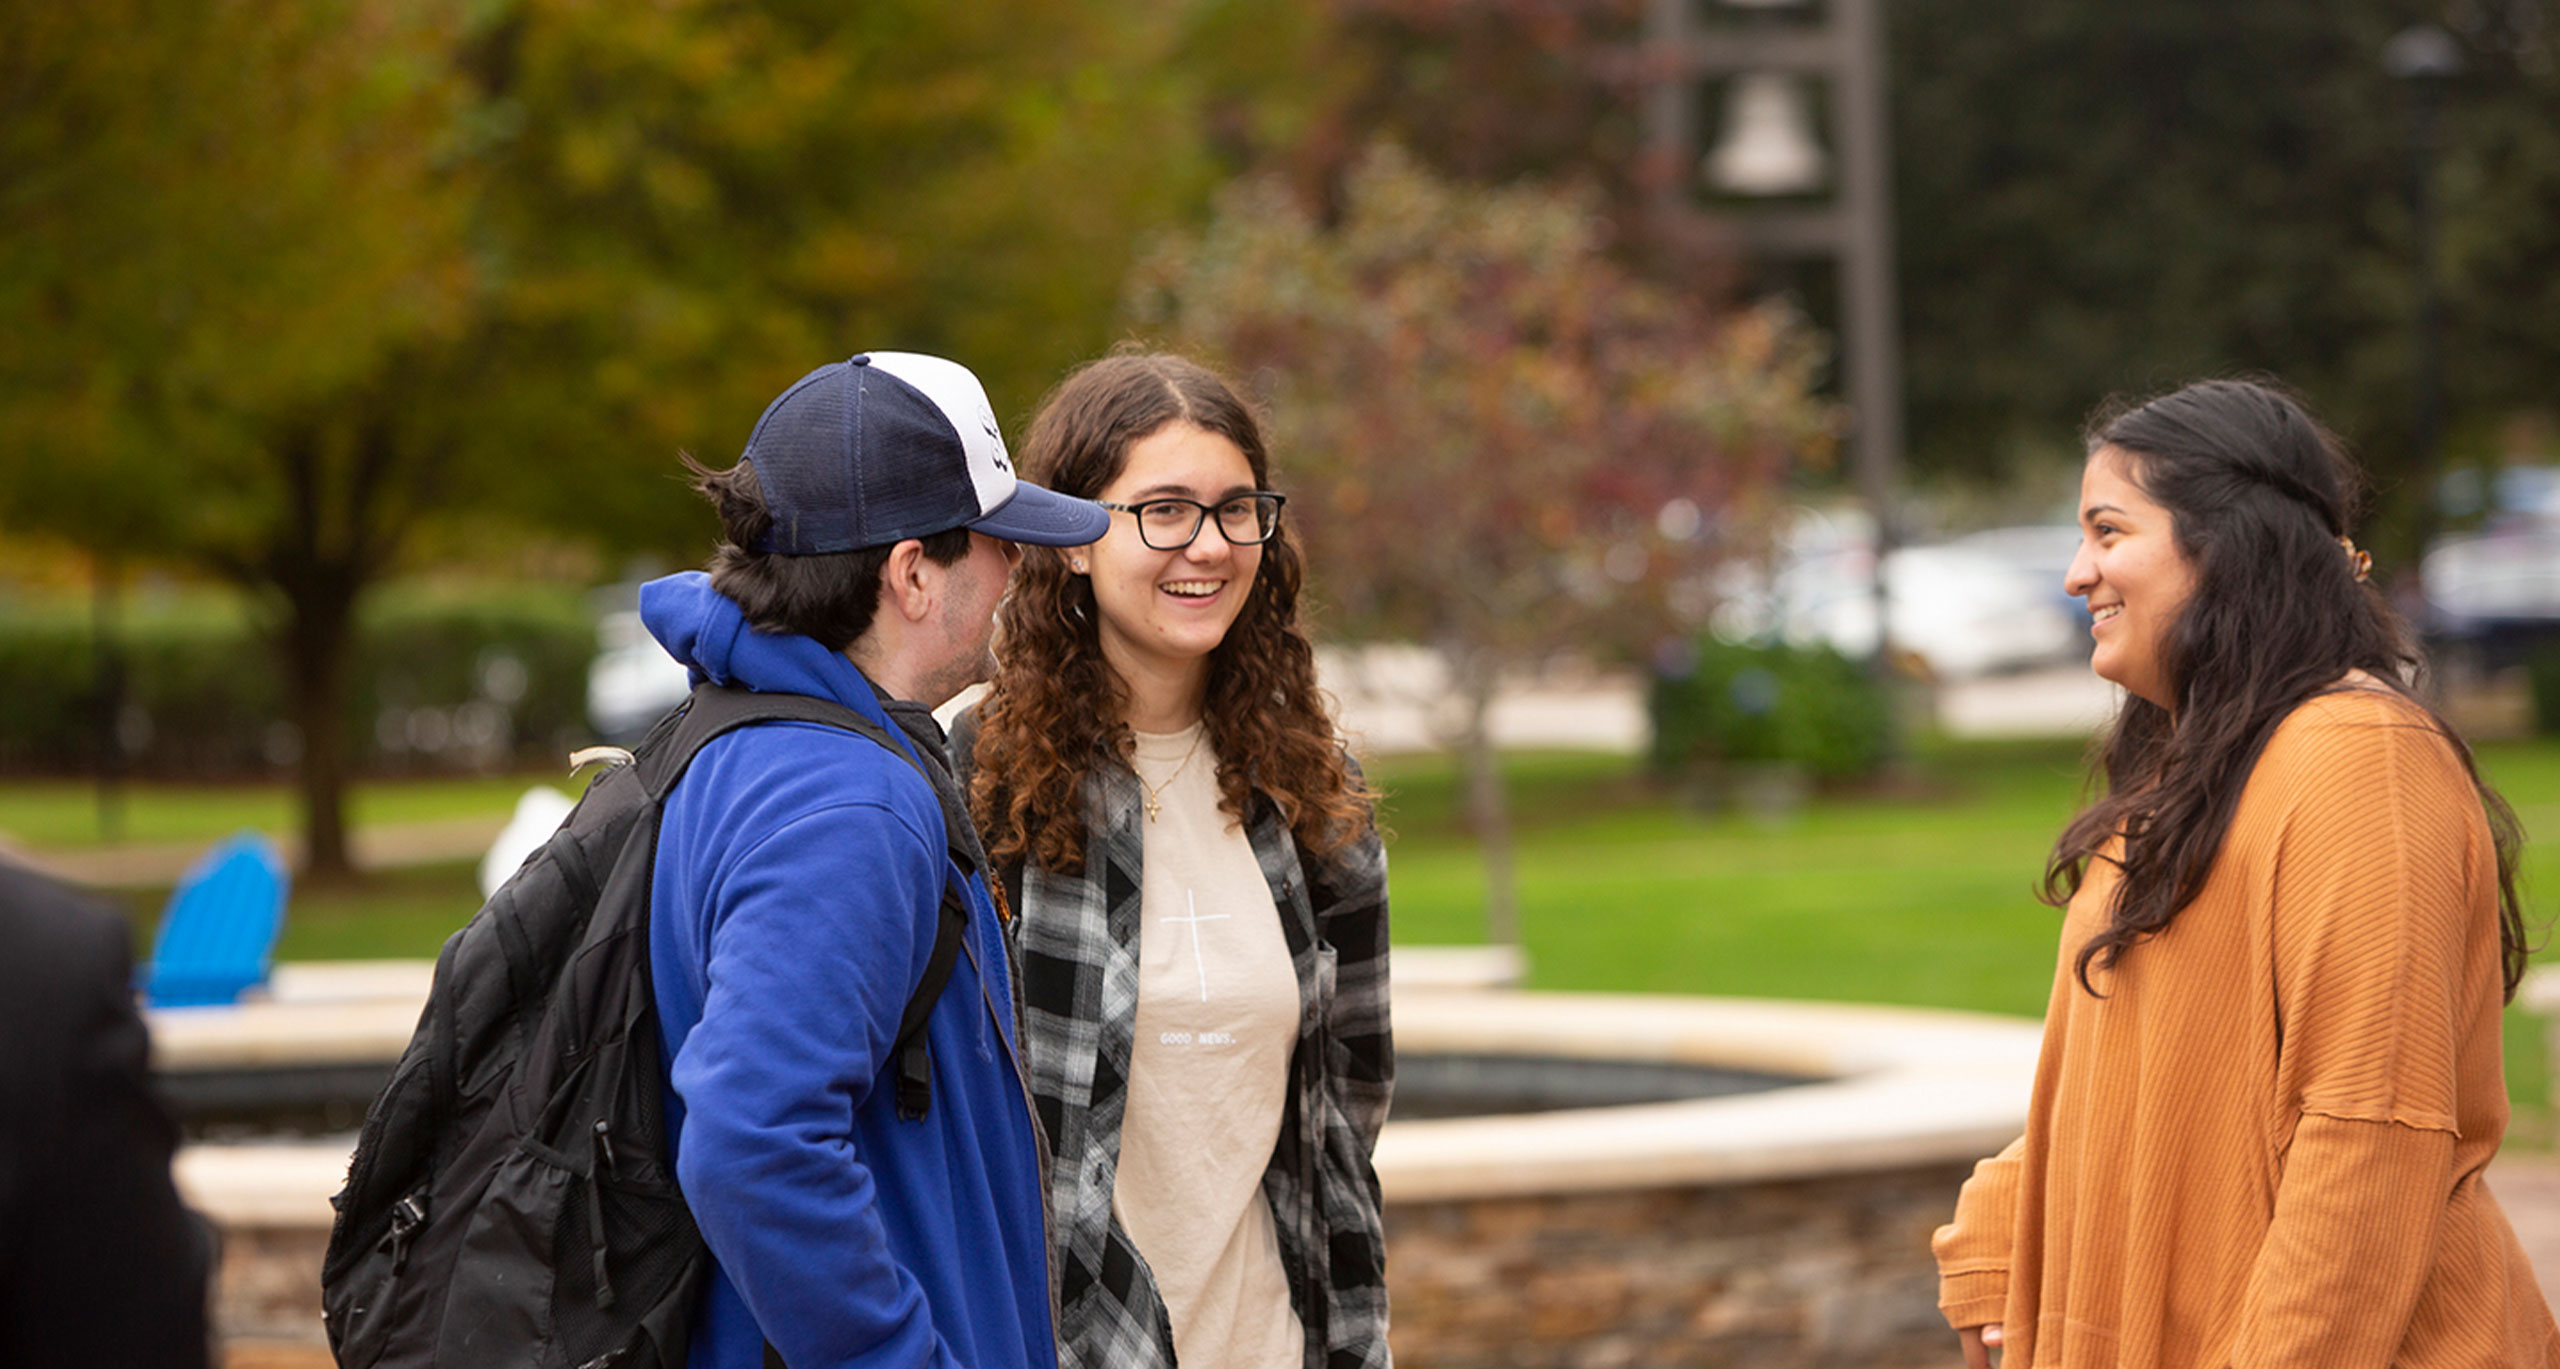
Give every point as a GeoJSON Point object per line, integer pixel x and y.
{"type": "Point", "coordinates": [702, 628]}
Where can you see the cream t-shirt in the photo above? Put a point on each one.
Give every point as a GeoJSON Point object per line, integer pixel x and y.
{"type": "Point", "coordinates": [1217, 1021]}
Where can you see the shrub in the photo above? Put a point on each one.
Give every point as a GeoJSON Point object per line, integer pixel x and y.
{"type": "Point", "coordinates": [2542, 673]}
{"type": "Point", "coordinates": [1718, 704]}
{"type": "Point", "coordinates": [442, 681]}
{"type": "Point", "coordinates": [474, 681]}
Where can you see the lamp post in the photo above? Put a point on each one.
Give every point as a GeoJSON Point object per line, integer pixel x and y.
{"type": "Point", "coordinates": [2425, 58]}
{"type": "Point", "coordinates": [1764, 149]}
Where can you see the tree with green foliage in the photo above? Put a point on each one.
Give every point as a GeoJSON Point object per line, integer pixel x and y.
{"type": "Point", "coordinates": [1499, 443]}
{"type": "Point", "coordinates": [291, 285]}
{"type": "Point", "coordinates": [2091, 197]}
{"type": "Point", "coordinates": [235, 233]}
{"type": "Point", "coordinates": [697, 201]}
{"type": "Point", "coordinates": [2098, 197]}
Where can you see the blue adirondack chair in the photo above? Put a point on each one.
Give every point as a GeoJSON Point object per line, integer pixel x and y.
{"type": "Point", "coordinates": [219, 935]}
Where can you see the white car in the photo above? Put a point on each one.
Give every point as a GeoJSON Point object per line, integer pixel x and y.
{"type": "Point", "coordinates": [2497, 593]}
{"type": "Point", "coordinates": [1977, 605]}
{"type": "Point", "coordinates": [2505, 575]}
{"type": "Point", "coordinates": [632, 681]}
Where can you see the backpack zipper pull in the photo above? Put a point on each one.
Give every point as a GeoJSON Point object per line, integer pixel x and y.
{"type": "Point", "coordinates": [595, 1209]}
{"type": "Point", "coordinates": [407, 1215]}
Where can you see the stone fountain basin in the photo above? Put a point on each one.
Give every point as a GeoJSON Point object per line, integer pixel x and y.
{"type": "Point", "coordinates": [1889, 1086]}
{"type": "Point", "coordinates": [1786, 1227]}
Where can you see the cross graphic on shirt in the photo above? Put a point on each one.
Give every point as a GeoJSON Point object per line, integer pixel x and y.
{"type": "Point", "coordinates": [1195, 919]}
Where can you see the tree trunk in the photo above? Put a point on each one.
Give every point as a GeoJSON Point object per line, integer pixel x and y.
{"type": "Point", "coordinates": [1488, 813]}
{"type": "Point", "coordinates": [334, 541]}
{"type": "Point", "coordinates": [319, 639]}
{"type": "Point", "coordinates": [107, 644]}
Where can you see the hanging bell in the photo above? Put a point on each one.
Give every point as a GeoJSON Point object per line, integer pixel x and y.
{"type": "Point", "coordinates": [1767, 146]}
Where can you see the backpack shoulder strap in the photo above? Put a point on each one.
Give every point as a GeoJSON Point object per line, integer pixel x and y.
{"type": "Point", "coordinates": [713, 711]}
{"type": "Point", "coordinates": [915, 1063]}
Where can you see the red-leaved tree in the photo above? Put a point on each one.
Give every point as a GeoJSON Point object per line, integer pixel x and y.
{"type": "Point", "coordinates": [1498, 443]}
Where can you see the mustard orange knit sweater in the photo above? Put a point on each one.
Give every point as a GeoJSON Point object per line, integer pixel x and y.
{"type": "Point", "coordinates": [2264, 1146]}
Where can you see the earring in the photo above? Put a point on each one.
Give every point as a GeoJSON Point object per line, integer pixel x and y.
{"type": "Point", "coordinates": [1076, 565]}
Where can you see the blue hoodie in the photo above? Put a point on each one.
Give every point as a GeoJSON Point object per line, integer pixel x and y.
{"type": "Point", "coordinates": [798, 878]}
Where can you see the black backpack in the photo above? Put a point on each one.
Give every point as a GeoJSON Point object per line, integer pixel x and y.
{"type": "Point", "coordinates": [510, 1201]}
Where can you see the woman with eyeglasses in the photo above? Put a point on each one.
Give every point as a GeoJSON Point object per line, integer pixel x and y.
{"type": "Point", "coordinates": [1199, 898]}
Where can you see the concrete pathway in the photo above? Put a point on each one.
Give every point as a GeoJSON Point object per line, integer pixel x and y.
{"type": "Point", "coordinates": [1398, 700]}
{"type": "Point", "coordinates": [2528, 1187]}
{"type": "Point", "coordinates": [153, 865]}
{"type": "Point", "coordinates": [1394, 700]}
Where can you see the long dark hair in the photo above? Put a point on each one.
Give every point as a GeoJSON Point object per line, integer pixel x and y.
{"type": "Point", "coordinates": [2259, 496]}
{"type": "Point", "coordinates": [1057, 707]}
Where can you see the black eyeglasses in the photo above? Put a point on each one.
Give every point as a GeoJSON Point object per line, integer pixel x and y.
{"type": "Point", "coordinates": [1172, 524]}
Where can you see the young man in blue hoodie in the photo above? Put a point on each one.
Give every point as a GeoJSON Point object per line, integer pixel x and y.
{"type": "Point", "coordinates": [869, 530]}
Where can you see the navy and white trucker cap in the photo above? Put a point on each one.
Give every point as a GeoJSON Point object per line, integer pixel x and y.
{"type": "Point", "coordinates": [892, 445]}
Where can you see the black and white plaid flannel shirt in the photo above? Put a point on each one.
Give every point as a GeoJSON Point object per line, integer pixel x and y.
{"type": "Point", "coordinates": [1077, 939]}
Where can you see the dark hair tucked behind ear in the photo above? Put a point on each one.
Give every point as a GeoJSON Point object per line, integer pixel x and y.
{"type": "Point", "coordinates": [2258, 495]}
{"type": "Point", "coordinates": [828, 597]}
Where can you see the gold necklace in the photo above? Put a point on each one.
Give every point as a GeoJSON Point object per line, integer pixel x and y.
{"type": "Point", "coordinates": [1154, 793]}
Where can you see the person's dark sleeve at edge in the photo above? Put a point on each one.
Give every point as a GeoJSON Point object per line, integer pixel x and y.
{"type": "Point", "coordinates": [99, 1262]}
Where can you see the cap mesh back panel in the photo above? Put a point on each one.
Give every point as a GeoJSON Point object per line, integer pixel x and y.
{"type": "Point", "coordinates": [915, 473]}
{"type": "Point", "coordinates": [803, 460]}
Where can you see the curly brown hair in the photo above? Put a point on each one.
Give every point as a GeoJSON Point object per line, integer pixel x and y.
{"type": "Point", "coordinates": [1057, 709]}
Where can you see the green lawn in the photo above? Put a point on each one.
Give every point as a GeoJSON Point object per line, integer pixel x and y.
{"type": "Point", "coordinates": [1916, 892]}
{"type": "Point", "coordinates": [64, 813]}
{"type": "Point", "coordinates": [394, 915]}
{"type": "Point", "coordinates": [1919, 891]}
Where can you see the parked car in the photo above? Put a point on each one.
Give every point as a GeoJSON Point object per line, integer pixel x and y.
{"type": "Point", "coordinates": [2493, 597]}
{"type": "Point", "coordinates": [1976, 605]}
{"type": "Point", "coordinates": [633, 681]}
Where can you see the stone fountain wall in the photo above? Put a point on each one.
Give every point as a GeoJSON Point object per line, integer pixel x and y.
{"type": "Point", "coordinates": [1781, 1230]}
{"type": "Point", "coordinates": [1828, 1272]}
{"type": "Point", "coordinates": [268, 1290]}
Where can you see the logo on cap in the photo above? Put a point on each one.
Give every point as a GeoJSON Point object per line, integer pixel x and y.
{"type": "Point", "coordinates": [874, 450]}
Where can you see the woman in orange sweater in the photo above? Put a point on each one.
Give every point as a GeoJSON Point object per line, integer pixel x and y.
{"type": "Point", "coordinates": [2271, 1074]}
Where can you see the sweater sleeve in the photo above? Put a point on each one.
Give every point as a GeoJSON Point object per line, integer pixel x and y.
{"type": "Point", "coordinates": [1973, 1249]}
{"type": "Point", "coordinates": [2376, 929]}
{"type": "Point", "coordinates": [2353, 1238]}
